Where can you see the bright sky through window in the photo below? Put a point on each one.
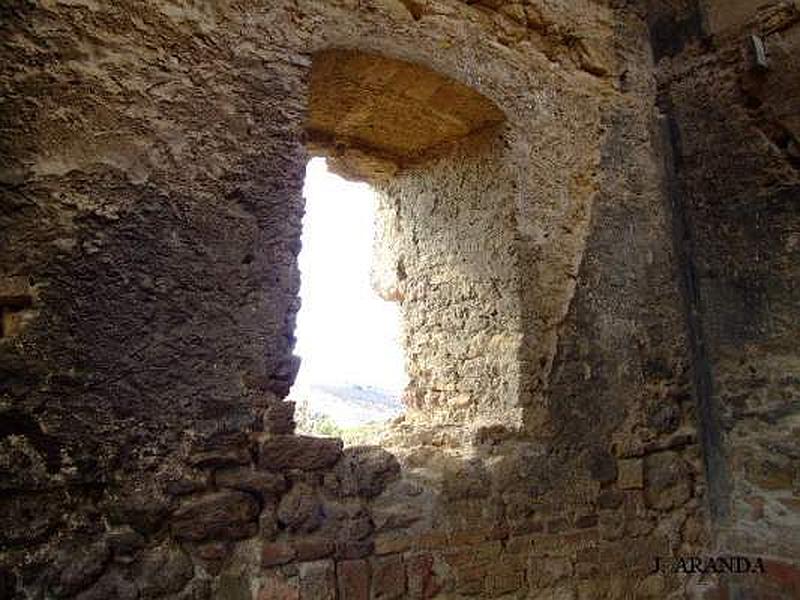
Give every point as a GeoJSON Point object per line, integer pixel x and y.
{"type": "Point", "coordinates": [346, 334]}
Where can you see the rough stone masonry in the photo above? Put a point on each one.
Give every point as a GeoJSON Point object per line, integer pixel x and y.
{"type": "Point", "coordinates": [589, 214]}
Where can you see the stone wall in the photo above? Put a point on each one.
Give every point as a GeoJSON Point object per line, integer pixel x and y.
{"type": "Point", "coordinates": [734, 128]}
{"type": "Point", "coordinates": [152, 162]}
{"type": "Point", "coordinates": [449, 235]}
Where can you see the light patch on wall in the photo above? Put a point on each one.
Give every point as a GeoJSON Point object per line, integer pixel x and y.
{"type": "Point", "coordinates": [348, 338]}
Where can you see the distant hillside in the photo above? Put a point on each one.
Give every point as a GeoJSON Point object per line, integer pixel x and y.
{"type": "Point", "coordinates": [347, 405]}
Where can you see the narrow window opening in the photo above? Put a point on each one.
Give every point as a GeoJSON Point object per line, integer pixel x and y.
{"type": "Point", "coordinates": [352, 373]}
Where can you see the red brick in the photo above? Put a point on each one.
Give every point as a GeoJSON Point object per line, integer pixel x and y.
{"type": "Point", "coordinates": [353, 579]}
{"type": "Point", "coordinates": [786, 576]}
{"type": "Point", "coordinates": [388, 577]}
{"type": "Point", "coordinates": [422, 582]}
{"type": "Point", "coordinates": [278, 553]}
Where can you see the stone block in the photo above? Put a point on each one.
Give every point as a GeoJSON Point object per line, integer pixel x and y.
{"type": "Point", "coordinates": [504, 578]}
{"type": "Point", "coordinates": [610, 499]}
{"type": "Point", "coordinates": [586, 521]}
{"type": "Point", "coordinates": [667, 481]}
{"type": "Point", "coordinates": [15, 321]}
{"type": "Point", "coordinates": [276, 586]}
{"type": "Point", "coordinates": [15, 292]}
{"type": "Point", "coordinates": [222, 450]}
{"type": "Point", "coordinates": [76, 568]}
{"type": "Point", "coordinates": [602, 467]}
{"type": "Point", "coordinates": [279, 418]}
{"type": "Point", "coordinates": [363, 471]}
{"type": "Point", "coordinates": [226, 515]}
{"type": "Point", "coordinates": [246, 479]}
{"type": "Point", "coordinates": [125, 544]}
{"type": "Point", "coordinates": [391, 543]}
{"type": "Point", "coordinates": [631, 474]}
{"type": "Point", "coordinates": [268, 526]}
{"type": "Point", "coordinates": [519, 544]}
{"type": "Point", "coordinates": [282, 452]}
{"type": "Point", "coordinates": [162, 570]}
{"type": "Point", "coordinates": [144, 511]}
{"type": "Point", "coordinates": [353, 580]}
{"type": "Point", "coordinates": [546, 572]}
{"type": "Point", "coordinates": [359, 549]}
{"type": "Point", "coordinates": [278, 553]}
{"type": "Point", "coordinates": [300, 509]}
{"type": "Point", "coordinates": [185, 486]}
{"type": "Point", "coordinates": [313, 548]}
{"type": "Point", "coordinates": [557, 525]}
{"type": "Point", "coordinates": [470, 579]}
{"type": "Point", "coordinates": [212, 555]}
{"type": "Point", "coordinates": [317, 580]}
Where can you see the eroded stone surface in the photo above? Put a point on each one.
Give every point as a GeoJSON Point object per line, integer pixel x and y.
{"type": "Point", "coordinates": [605, 157]}
{"type": "Point", "coordinates": [220, 515]}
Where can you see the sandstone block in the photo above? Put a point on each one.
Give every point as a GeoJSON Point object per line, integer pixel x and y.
{"type": "Point", "coordinates": [545, 572]}
{"type": "Point", "coordinates": [557, 525]}
{"type": "Point", "coordinates": [212, 555]}
{"type": "Point", "coordinates": [350, 549]}
{"type": "Point", "coordinates": [602, 466]}
{"type": "Point", "coordinates": [391, 543]}
{"type": "Point", "coordinates": [610, 499]}
{"type": "Point", "coordinates": [317, 580]}
{"type": "Point", "coordinates": [226, 515]}
{"type": "Point", "coordinates": [163, 570]}
{"type": "Point", "coordinates": [143, 511]}
{"type": "Point", "coordinates": [222, 450]}
{"type": "Point", "coordinates": [275, 586]}
{"type": "Point", "coordinates": [586, 521]}
{"type": "Point", "coordinates": [504, 578]}
{"type": "Point", "coordinates": [76, 568]}
{"type": "Point", "coordinates": [469, 481]}
{"type": "Point", "coordinates": [631, 474]}
{"type": "Point", "coordinates": [279, 418]}
{"type": "Point", "coordinates": [15, 291]}
{"type": "Point", "coordinates": [357, 527]}
{"type": "Point", "coordinates": [246, 479]}
{"type": "Point", "coordinates": [364, 471]}
{"type": "Point", "coordinates": [470, 579]}
{"type": "Point", "coordinates": [313, 548]}
{"type": "Point", "coordinates": [667, 481]}
{"type": "Point", "coordinates": [300, 509]}
{"type": "Point", "coordinates": [184, 486]}
{"type": "Point", "coordinates": [395, 517]}
{"type": "Point", "coordinates": [278, 553]}
{"type": "Point", "coordinates": [283, 452]}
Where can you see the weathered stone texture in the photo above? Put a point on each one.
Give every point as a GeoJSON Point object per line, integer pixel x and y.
{"type": "Point", "coordinates": [587, 211]}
